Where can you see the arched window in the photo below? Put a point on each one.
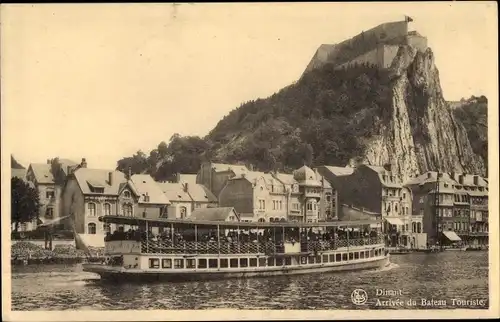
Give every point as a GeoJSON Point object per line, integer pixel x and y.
{"type": "Point", "coordinates": [127, 210]}
{"type": "Point", "coordinates": [107, 209]}
{"type": "Point", "coordinates": [262, 220]}
{"type": "Point", "coordinates": [419, 227]}
{"type": "Point", "coordinates": [91, 228]}
{"type": "Point", "coordinates": [271, 219]}
{"type": "Point", "coordinates": [414, 227]}
{"type": "Point", "coordinates": [106, 227]}
{"type": "Point", "coordinates": [283, 219]}
{"type": "Point", "coordinates": [183, 212]}
{"type": "Point", "coordinates": [92, 209]}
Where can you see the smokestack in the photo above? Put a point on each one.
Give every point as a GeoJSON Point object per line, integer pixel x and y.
{"type": "Point", "coordinates": [110, 178]}
{"type": "Point", "coordinates": [83, 164]}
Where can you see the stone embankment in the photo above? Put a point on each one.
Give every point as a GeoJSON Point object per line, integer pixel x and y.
{"type": "Point", "coordinates": [24, 252]}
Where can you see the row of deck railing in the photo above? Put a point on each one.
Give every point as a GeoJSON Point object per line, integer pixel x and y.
{"type": "Point", "coordinates": [267, 247]}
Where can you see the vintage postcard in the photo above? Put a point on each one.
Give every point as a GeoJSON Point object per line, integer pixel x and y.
{"type": "Point", "coordinates": [249, 161]}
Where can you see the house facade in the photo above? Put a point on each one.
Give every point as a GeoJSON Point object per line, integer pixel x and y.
{"type": "Point", "coordinates": [450, 205]}
{"type": "Point", "coordinates": [50, 189]}
{"type": "Point", "coordinates": [267, 197]}
{"type": "Point", "coordinates": [215, 175]}
{"type": "Point", "coordinates": [454, 207]}
{"type": "Point", "coordinates": [375, 189]}
{"type": "Point", "coordinates": [91, 193]}
{"type": "Point", "coordinates": [186, 196]}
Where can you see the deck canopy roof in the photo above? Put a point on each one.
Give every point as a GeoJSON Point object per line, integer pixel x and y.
{"type": "Point", "coordinates": [161, 222]}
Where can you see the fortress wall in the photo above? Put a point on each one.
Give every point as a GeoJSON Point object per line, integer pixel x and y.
{"type": "Point", "coordinates": [371, 57]}
{"type": "Point", "coordinates": [388, 54]}
{"type": "Point", "coordinates": [418, 42]}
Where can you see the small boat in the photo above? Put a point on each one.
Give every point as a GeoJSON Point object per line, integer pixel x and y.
{"type": "Point", "coordinates": [202, 250]}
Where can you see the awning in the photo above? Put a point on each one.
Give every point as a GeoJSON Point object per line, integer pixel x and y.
{"type": "Point", "coordinates": [394, 221]}
{"type": "Point", "coordinates": [451, 235]}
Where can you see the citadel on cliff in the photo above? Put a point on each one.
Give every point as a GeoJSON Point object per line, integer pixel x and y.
{"type": "Point", "coordinates": [377, 46]}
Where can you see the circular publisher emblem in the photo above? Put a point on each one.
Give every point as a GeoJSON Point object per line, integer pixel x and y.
{"type": "Point", "coordinates": [359, 296]}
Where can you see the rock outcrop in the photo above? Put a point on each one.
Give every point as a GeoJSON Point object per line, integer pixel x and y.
{"type": "Point", "coordinates": [423, 133]}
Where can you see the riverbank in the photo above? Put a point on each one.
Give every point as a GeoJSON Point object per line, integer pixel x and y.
{"type": "Point", "coordinates": [29, 253]}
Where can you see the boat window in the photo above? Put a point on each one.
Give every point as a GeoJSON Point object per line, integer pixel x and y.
{"type": "Point", "coordinates": [371, 253]}
{"type": "Point", "coordinates": [243, 262]}
{"type": "Point", "coordinates": [223, 263]}
{"type": "Point", "coordinates": [166, 263]}
{"type": "Point", "coordinates": [262, 262]}
{"type": "Point", "coordinates": [325, 258]}
{"type": "Point", "coordinates": [344, 256]}
{"type": "Point", "coordinates": [362, 255]}
{"type": "Point", "coordinates": [279, 261]}
{"type": "Point", "coordinates": [233, 262]}
{"type": "Point", "coordinates": [367, 254]}
{"type": "Point", "coordinates": [318, 259]}
{"type": "Point", "coordinates": [332, 258]}
{"type": "Point", "coordinates": [191, 263]}
{"type": "Point", "coordinates": [303, 260]}
{"type": "Point", "coordinates": [202, 263]}
{"type": "Point", "coordinates": [270, 261]}
{"type": "Point", "coordinates": [356, 255]}
{"type": "Point", "coordinates": [311, 259]}
{"type": "Point", "coordinates": [178, 263]}
{"type": "Point", "coordinates": [288, 261]}
{"type": "Point", "coordinates": [212, 263]}
{"type": "Point", "coordinates": [351, 256]}
{"type": "Point", "coordinates": [154, 263]}
{"type": "Point", "coordinates": [253, 262]}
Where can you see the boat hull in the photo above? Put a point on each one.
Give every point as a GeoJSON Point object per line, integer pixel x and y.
{"type": "Point", "coordinates": [118, 274]}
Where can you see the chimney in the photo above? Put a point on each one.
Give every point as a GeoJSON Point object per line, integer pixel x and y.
{"type": "Point", "coordinates": [476, 180]}
{"type": "Point", "coordinates": [110, 178]}
{"type": "Point", "coordinates": [84, 163]}
{"type": "Point", "coordinates": [250, 167]}
{"type": "Point", "coordinates": [178, 177]}
{"type": "Point", "coordinates": [69, 169]}
{"type": "Point", "coordinates": [186, 187]}
{"type": "Point", "coordinates": [129, 174]}
{"type": "Point", "coordinates": [429, 174]}
{"type": "Point", "coordinates": [461, 179]}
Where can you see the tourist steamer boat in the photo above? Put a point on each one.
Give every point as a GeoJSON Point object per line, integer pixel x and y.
{"type": "Point", "coordinates": [200, 250]}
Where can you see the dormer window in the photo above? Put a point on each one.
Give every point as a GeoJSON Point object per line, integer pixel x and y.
{"type": "Point", "coordinates": [126, 194]}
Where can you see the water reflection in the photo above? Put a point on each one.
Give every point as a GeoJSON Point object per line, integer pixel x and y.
{"type": "Point", "coordinates": [462, 275]}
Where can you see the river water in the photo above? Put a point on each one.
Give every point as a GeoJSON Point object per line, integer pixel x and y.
{"type": "Point", "coordinates": [410, 279]}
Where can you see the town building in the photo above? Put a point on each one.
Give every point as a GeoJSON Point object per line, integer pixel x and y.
{"type": "Point", "coordinates": [376, 190]}
{"type": "Point", "coordinates": [91, 193]}
{"type": "Point", "coordinates": [267, 197]}
{"type": "Point", "coordinates": [186, 196]}
{"type": "Point", "coordinates": [454, 207]}
{"type": "Point", "coordinates": [215, 214]}
{"type": "Point", "coordinates": [215, 175]}
{"type": "Point", "coordinates": [337, 177]}
{"type": "Point", "coordinates": [50, 187]}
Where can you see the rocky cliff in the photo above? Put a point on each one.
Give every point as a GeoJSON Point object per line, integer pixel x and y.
{"type": "Point", "coordinates": [360, 114]}
{"type": "Point", "coordinates": [422, 133]}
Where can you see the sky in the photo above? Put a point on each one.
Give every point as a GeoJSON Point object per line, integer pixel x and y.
{"type": "Point", "coordinates": [101, 81]}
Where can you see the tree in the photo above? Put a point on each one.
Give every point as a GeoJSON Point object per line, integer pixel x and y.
{"type": "Point", "coordinates": [25, 202]}
{"type": "Point", "coordinates": [57, 171]}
